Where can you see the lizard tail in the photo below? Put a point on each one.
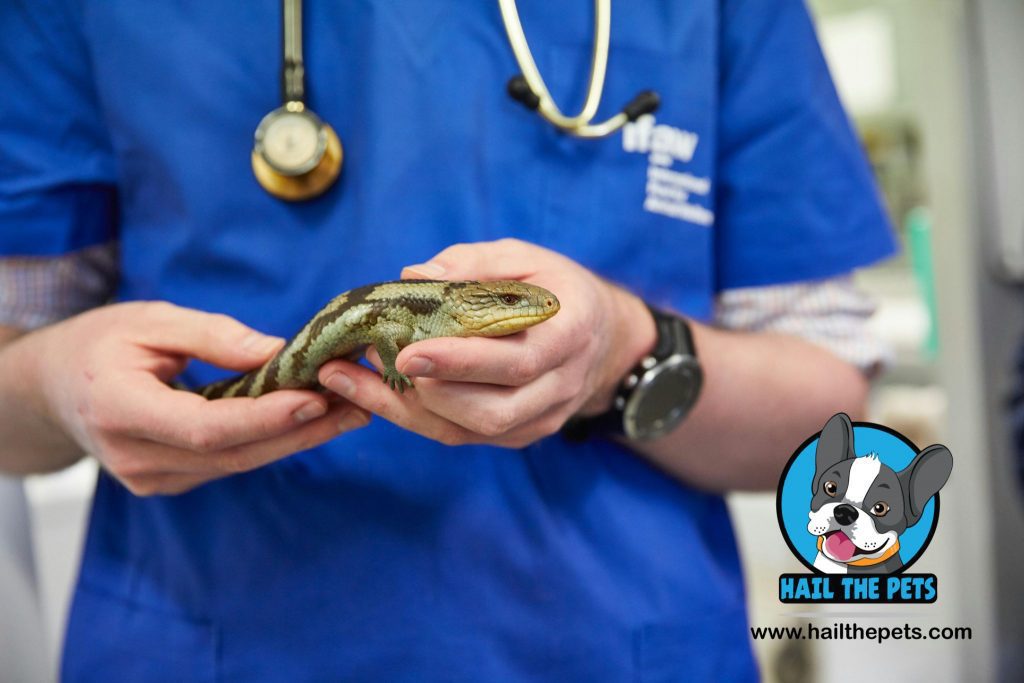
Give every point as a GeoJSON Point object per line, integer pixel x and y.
{"type": "Point", "coordinates": [232, 386]}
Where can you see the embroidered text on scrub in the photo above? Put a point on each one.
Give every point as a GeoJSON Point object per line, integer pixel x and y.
{"type": "Point", "coordinates": [668, 191]}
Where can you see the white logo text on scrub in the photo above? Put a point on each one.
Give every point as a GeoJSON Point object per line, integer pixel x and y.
{"type": "Point", "coordinates": [668, 192]}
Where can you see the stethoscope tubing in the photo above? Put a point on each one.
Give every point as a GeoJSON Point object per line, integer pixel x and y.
{"type": "Point", "coordinates": [528, 67]}
{"type": "Point", "coordinates": [529, 87]}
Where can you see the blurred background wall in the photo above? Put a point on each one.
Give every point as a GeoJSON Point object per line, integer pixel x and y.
{"type": "Point", "coordinates": [934, 87]}
{"type": "Point", "coordinates": [23, 642]}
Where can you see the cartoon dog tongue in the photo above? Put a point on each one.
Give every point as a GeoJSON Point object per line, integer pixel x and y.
{"type": "Point", "coordinates": [840, 546]}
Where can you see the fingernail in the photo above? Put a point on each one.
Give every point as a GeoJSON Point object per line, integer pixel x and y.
{"type": "Point", "coordinates": [310, 411]}
{"type": "Point", "coordinates": [341, 384]}
{"type": "Point", "coordinates": [430, 269]}
{"type": "Point", "coordinates": [260, 343]}
{"type": "Point", "coordinates": [418, 366]}
{"type": "Point", "coordinates": [353, 420]}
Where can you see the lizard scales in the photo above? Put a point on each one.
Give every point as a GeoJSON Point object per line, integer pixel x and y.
{"type": "Point", "coordinates": [389, 316]}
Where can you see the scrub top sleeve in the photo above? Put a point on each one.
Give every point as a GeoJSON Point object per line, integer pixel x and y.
{"type": "Point", "coordinates": [57, 174]}
{"type": "Point", "coordinates": [795, 198]}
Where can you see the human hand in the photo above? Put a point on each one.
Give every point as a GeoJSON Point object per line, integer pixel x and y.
{"type": "Point", "coordinates": [102, 379]}
{"type": "Point", "coordinates": [509, 391]}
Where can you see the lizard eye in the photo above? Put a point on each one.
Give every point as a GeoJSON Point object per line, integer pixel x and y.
{"type": "Point", "coordinates": [510, 299]}
{"type": "Point", "coordinates": [880, 509]}
{"type": "Point", "coordinates": [830, 488]}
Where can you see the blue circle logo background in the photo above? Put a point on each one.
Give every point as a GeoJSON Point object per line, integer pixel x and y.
{"type": "Point", "coordinates": [795, 492]}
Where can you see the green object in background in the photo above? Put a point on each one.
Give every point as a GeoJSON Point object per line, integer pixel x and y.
{"type": "Point", "coordinates": [918, 227]}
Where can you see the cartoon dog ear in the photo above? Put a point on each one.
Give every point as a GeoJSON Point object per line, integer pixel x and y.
{"type": "Point", "coordinates": [834, 445]}
{"type": "Point", "coordinates": [923, 478]}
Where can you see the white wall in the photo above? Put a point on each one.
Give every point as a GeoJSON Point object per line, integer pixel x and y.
{"type": "Point", "coordinates": [23, 652]}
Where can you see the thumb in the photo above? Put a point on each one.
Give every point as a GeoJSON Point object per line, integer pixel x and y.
{"type": "Point", "coordinates": [506, 259]}
{"type": "Point", "coordinates": [212, 337]}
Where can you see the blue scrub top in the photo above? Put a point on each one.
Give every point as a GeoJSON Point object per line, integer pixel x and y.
{"type": "Point", "coordinates": [382, 555]}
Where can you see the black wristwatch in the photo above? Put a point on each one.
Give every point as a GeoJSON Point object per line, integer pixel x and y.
{"type": "Point", "coordinates": [657, 394]}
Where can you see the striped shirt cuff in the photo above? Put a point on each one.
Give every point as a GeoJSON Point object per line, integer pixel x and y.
{"type": "Point", "coordinates": [831, 313]}
{"type": "Point", "coordinates": [40, 290]}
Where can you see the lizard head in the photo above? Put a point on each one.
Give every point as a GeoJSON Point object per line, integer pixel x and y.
{"type": "Point", "coordinates": [494, 309]}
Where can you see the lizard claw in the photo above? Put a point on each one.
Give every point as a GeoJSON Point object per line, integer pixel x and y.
{"type": "Point", "coordinates": [396, 380]}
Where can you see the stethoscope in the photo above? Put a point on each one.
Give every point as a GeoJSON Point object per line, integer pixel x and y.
{"type": "Point", "coordinates": [296, 156]}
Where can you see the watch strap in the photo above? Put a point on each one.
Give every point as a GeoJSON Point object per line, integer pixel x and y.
{"type": "Point", "coordinates": [673, 337]}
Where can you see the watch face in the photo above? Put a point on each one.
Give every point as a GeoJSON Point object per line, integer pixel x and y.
{"type": "Point", "coordinates": [663, 397]}
{"type": "Point", "coordinates": [292, 142]}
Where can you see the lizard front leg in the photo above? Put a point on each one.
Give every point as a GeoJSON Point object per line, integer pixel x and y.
{"type": "Point", "coordinates": [389, 338]}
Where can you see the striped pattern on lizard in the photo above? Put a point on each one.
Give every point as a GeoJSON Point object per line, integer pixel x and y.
{"type": "Point", "coordinates": [389, 316]}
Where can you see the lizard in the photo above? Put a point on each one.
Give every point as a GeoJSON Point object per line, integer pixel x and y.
{"type": "Point", "coordinates": [389, 316]}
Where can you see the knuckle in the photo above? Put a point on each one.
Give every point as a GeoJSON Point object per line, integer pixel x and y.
{"type": "Point", "coordinates": [220, 326]}
{"type": "Point", "coordinates": [540, 430]}
{"type": "Point", "coordinates": [223, 321]}
{"type": "Point", "coordinates": [510, 243]}
{"type": "Point", "coordinates": [451, 437]}
{"type": "Point", "coordinates": [566, 391]}
{"type": "Point", "coordinates": [233, 464]}
{"type": "Point", "coordinates": [201, 439]}
{"type": "Point", "coordinates": [518, 442]}
{"type": "Point", "coordinates": [99, 414]}
{"type": "Point", "coordinates": [178, 487]}
{"type": "Point", "coordinates": [142, 487]}
{"type": "Point", "coordinates": [157, 309]}
{"type": "Point", "coordinates": [380, 403]}
{"type": "Point", "coordinates": [527, 365]}
{"type": "Point", "coordinates": [456, 253]}
{"type": "Point", "coordinates": [125, 462]}
{"type": "Point", "coordinates": [100, 421]}
{"type": "Point", "coordinates": [550, 426]}
{"type": "Point", "coordinates": [459, 365]}
{"type": "Point", "coordinates": [126, 467]}
{"type": "Point", "coordinates": [488, 429]}
{"type": "Point", "coordinates": [306, 443]}
{"type": "Point", "coordinates": [457, 249]}
{"type": "Point", "coordinates": [496, 421]}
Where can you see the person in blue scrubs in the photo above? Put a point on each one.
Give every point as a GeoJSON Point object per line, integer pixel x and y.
{"type": "Point", "coordinates": [456, 536]}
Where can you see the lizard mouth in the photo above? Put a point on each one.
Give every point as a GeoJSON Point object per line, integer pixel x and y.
{"type": "Point", "coordinates": [515, 323]}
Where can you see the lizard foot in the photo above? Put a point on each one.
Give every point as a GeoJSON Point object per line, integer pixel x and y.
{"type": "Point", "coordinates": [396, 380]}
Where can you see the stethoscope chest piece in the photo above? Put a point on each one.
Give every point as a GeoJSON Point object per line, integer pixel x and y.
{"type": "Point", "coordinates": [295, 155]}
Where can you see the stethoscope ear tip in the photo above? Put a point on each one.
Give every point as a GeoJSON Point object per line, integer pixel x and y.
{"type": "Point", "coordinates": [520, 91]}
{"type": "Point", "coordinates": [646, 102]}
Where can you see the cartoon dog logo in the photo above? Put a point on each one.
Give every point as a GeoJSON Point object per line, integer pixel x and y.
{"type": "Point", "coordinates": [861, 506]}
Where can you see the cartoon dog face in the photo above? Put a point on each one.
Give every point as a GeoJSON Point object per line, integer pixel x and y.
{"type": "Point", "coordinates": [860, 506]}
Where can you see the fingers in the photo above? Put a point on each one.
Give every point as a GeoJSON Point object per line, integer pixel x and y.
{"type": "Point", "coordinates": [542, 426]}
{"type": "Point", "coordinates": [149, 468]}
{"type": "Point", "coordinates": [215, 338]}
{"type": "Point", "coordinates": [143, 407]}
{"type": "Point", "coordinates": [505, 259]}
{"type": "Point", "coordinates": [510, 361]}
{"type": "Point", "coordinates": [495, 412]}
{"type": "Point", "coordinates": [456, 413]}
{"type": "Point", "coordinates": [364, 388]}
{"type": "Point", "coordinates": [110, 398]}
{"type": "Point", "coordinates": [339, 420]}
